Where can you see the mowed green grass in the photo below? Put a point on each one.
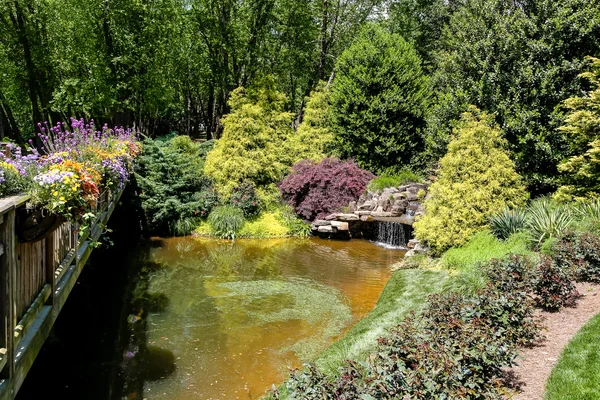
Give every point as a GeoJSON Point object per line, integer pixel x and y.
{"type": "Point", "coordinates": [577, 374]}
{"type": "Point", "coordinates": [406, 291]}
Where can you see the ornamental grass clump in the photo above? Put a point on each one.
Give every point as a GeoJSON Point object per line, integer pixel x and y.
{"type": "Point", "coordinates": [507, 222]}
{"type": "Point", "coordinates": [547, 219]}
{"type": "Point", "coordinates": [226, 221]}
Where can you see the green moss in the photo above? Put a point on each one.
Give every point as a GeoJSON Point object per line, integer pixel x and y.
{"type": "Point", "coordinates": [577, 374]}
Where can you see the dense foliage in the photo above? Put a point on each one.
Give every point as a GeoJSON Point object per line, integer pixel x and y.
{"type": "Point", "coordinates": [554, 286]}
{"type": "Point", "coordinates": [582, 171]}
{"type": "Point", "coordinates": [520, 74]}
{"type": "Point", "coordinates": [313, 138]}
{"type": "Point", "coordinates": [173, 190]}
{"type": "Point", "coordinates": [318, 189]}
{"type": "Point", "coordinates": [165, 65]}
{"type": "Point", "coordinates": [379, 99]}
{"type": "Point", "coordinates": [255, 142]}
{"type": "Point", "coordinates": [476, 179]}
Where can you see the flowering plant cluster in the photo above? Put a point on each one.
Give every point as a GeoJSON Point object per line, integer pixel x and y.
{"type": "Point", "coordinates": [74, 162]}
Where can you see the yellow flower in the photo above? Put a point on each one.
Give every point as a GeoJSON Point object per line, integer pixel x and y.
{"type": "Point", "coordinates": [55, 193]}
{"type": "Point", "coordinates": [62, 198]}
{"type": "Point", "coordinates": [74, 188]}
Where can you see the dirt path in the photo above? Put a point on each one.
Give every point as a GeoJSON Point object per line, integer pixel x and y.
{"type": "Point", "coordinates": [537, 362]}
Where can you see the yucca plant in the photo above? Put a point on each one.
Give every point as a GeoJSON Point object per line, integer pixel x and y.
{"type": "Point", "coordinates": [507, 222]}
{"type": "Point", "coordinates": [589, 212]}
{"type": "Point", "coordinates": [226, 221]}
{"type": "Point", "coordinates": [547, 218]}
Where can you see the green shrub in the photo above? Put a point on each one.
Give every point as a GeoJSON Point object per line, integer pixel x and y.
{"type": "Point", "coordinates": [483, 247]}
{"type": "Point", "coordinates": [546, 219]}
{"type": "Point", "coordinates": [293, 223]}
{"type": "Point", "coordinates": [267, 225]}
{"type": "Point", "coordinates": [580, 252]}
{"type": "Point", "coordinates": [254, 141]}
{"type": "Point", "coordinates": [507, 222]}
{"type": "Point", "coordinates": [245, 198]}
{"type": "Point", "coordinates": [581, 172]}
{"type": "Point", "coordinates": [553, 285]}
{"type": "Point", "coordinates": [313, 139]}
{"type": "Point", "coordinates": [226, 221]}
{"type": "Point", "coordinates": [510, 274]}
{"type": "Point", "coordinates": [476, 179]}
{"type": "Point", "coordinates": [401, 178]}
{"type": "Point", "coordinates": [173, 190]}
{"type": "Point", "coordinates": [588, 213]}
{"type": "Point", "coordinates": [258, 143]}
{"type": "Point", "coordinates": [379, 99]}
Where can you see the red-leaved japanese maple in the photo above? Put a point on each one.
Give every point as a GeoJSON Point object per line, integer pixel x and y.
{"type": "Point", "coordinates": [318, 189]}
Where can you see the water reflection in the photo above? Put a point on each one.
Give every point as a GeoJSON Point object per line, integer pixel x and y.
{"type": "Point", "coordinates": [219, 320]}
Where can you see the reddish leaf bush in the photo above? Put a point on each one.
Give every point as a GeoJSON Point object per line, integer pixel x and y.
{"type": "Point", "coordinates": [318, 189]}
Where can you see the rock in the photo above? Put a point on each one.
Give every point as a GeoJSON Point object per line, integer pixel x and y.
{"type": "Point", "coordinates": [420, 247]}
{"type": "Point", "coordinates": [352, 207]}
{"type": "Point", "coordinates": [367, 218]}
{"type": "Point", "coordinates": [403, 188]}
{"type": "Point", "coordinates": [366, 206]}
{"type": "Point", "coordinates": [409, 254]}
{"type": "Point", "coordinates": [406, 219]}
{"type": "Point", "coordinates": [379, 209]}
{"type": "Point", "coordinates": [321, 222]}
{"type": "Point", "coordinates": [399, 196]}
{"type": "Point", "coordinates": [326, 229]}
{"type": "Point", "coordinates": [339, 225]}
{"type": "Point", "coordinates": [411, 196]}
{"type": "Point", "coordinates": [381, 214]}
{"type": "Point", "coordinates": [412, 243]}
{"type": "Point", "coordinates": [331, 217]}
{"type": "Point", "coordinates": [359, 213]}
{"type": "Point", "coordinates": [347, 217]}
{"type": "Point", "coordinates": [401, 203]}
{"type": "Point", "coordinates": [384, 203]}
{"type": "Point", "coordinates": [397, 211]}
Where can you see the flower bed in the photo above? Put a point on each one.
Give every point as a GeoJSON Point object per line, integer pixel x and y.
{"type": "Point", "coordinates": [74, 165]}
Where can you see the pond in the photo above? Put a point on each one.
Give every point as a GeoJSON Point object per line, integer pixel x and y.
{"type": "Point", "coordinates": [214, 319]}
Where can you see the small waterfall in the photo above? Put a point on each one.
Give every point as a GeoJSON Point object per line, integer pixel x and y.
{"type": "Point", "coordinates": [391, 233]}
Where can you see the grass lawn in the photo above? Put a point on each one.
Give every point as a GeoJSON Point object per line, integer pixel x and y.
{"type": "Point", "coordinates": [577, 374]}
{"type": "Point", "coordinates": [406, 291]}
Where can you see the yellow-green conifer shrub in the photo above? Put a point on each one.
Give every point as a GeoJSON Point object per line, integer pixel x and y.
{"type": "Point", "coordinates": [313, 138]}
{"type": "Point", "coordinates": [582, 171]}
{"type": "Point", "coordinates": [255, 141]}
{"type": "Point", "coordinates": [476, 179]}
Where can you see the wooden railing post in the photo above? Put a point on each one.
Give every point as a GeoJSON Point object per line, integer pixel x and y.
{"type": "Point", "coordinates": [50, 265]}
{"type": "Point", "coordinates": [8, 265]}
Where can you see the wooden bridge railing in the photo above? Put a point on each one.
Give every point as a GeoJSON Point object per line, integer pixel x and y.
{"type": "Point", "coordinates": [36, 279]}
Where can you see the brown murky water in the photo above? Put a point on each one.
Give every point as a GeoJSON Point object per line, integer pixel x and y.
{"type": "Point", "coordinates": [227, 320]}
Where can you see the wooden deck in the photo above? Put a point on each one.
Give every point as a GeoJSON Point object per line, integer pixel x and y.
{"type": "Point", "coordinates": [36, 279]}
